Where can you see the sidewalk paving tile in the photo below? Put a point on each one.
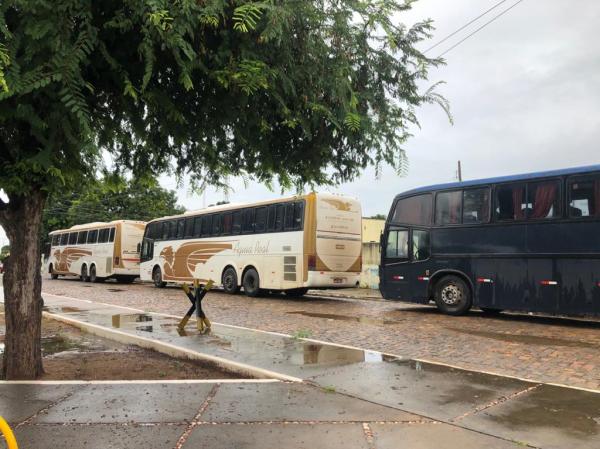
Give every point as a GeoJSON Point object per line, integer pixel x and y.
{"type": "Point", "coordinates": [549, 417]}
{"type": "Point", "coordinates": [293, 402]}
{"type": "Point", "coordinates": [19, 402]}
{"type": "Point", "coordinates": [98, 436]}
{"type": "Point", "coordinates": [434, 436]}
{"type": "Point", "coordinates": [277, 436]}
{"type": "Point", "coordinates": [431, 390]}
{"type": "Point", "coordinates": [157, 403]}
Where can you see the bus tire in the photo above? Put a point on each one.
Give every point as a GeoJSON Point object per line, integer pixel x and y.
{"type": "Point", "coordinates": [84, 274]}
{"type": "Point", "coordinates": [453, 295]}
{"type": "Point", "coordinates": [93, 277]}
{"type": "Point", "coordinates": [157, 278]}
{"type": "Point", "coordinates": [229, 281]}
{"type": "Point", "coordinates": [251, 283]}
{"type": "Point", "coordinates": [296, 292]}
{"type": "Point", "coordinates": [53, 275]}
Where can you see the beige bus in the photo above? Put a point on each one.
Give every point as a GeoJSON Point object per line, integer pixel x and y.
{"type": "Point", "coordinates": [97, 251]}
{"type": "Point", "coordinates": [290, 244]}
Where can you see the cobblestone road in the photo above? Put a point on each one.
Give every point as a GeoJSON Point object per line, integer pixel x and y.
{"type": "Point", "coordinates": [539, 348]}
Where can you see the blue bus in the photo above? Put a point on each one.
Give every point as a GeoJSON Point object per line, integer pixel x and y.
{"type": "Point", "coordinates": [528, 243]}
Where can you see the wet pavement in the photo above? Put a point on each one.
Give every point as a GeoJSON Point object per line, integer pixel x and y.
{"type": "Point", "coordinates": [470, 405]}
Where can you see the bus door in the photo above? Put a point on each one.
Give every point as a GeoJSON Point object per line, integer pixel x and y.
{"type": "Point", "coordinates": [419, 256]}
{"type": "Point", "coordinates": [394, 277]}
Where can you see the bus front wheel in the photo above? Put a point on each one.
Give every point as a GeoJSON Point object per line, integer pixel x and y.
{"type": "Point", "coordinates": [453, 296]}
{"type": "Point", "coordinates": [53, 275]}
{"type": "Point", "coordinates": [230, 281]}
{"type": "Point", "coordinates": [251, 283]}
{"type": "Point", "coordinates": [157, 278]}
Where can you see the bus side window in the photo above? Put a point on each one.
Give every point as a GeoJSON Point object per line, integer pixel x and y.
{"type": "Point", "coordinates": [289, 216]}
{"type": "Point", "coordinates": [197, 226]}
{"type": "Point", "coordinates": [92, 236]}
{"type": "Point", "coordinates": [172, 229]}
{"type": "Point", "coordinates": [298, 215]}
{"type": "Point", "coordinates": [420, 245]}
{"type": "Point", "coordinates": [272, 213]}
{"type": "Point", "coordinates": [543, 200]}
{"type": "Point", "coordinates": [476, 206]}
{"type": "Point", "coordinates": [82, 237]}
{"type": "Point", "coordinates": [248, 226]}
{"type": "Point", "coordinates": [206, 225]}
{"type": "Point", "coordinates": [111, 235]}
{"type": "Point", "coordinates": [165, 230]}
{"type": "Point", "coordinates": [448, 207]}
{"type": "Point", "coordinates": [72, 238]}
{"type": "Point", "coordinates": [180, 228]}
{"type": "Point", "coordinates": [511, 203]}
{"type": "Point", "coordinates": [261, 219]}
{"type": "Point", "coordinates": [55, 240]}
{"type": "Point", "coordinates": [397, 244]}
{"type": "Point", "coordinates": [584, 198]}
{"type": "Point", "coordinates": [217, 226]}
{"type": "Point", "coordinates": [103, 235]}
{"type": "Point", "coordinates": [227, 223]}
{"type": "Point", "coordinates": [237, 222]}
{"type": "Point", "coordinates": [189, 227]}
{"type": "Point", "coordinates": [279, 217]}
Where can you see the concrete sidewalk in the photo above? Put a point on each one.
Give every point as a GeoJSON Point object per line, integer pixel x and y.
{"type": "Point", "coordinates": [347, 393]}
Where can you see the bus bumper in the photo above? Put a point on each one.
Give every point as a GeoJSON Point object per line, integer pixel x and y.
{"type": "Point", "coordinates": [332, 279]}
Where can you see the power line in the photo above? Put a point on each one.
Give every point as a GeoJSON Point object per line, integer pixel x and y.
{"type": "Point", "coordinates": [480, 28]}
{"type": "Point", "coordinates": [465, 26]}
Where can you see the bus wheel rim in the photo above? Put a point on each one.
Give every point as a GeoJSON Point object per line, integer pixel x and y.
{"type": "Point", "coordinates": [451, 294]}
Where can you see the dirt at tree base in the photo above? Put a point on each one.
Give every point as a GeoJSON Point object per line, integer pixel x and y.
{"type": "Point", "coordinates": [70, 354]}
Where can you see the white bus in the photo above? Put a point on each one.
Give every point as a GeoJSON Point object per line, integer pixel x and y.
{"type": "Point", "coordinates": [291, 245]}
{"type": "Point", "coordinates": [97, 251]}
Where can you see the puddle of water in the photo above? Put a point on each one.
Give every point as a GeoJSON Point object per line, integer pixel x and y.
{"type": "Point", "coordinates": [526, 339]}
{"type": "Point", "coordinates": [65, 309]}
{"type": "Point", "coordinates": [336, 317]}
{"type": "Point", "coordinates": [114, 290]}
{"type": "Point", "coordinates": [127, 320]}
{"type": "Point", "coordinates": [57, 343]}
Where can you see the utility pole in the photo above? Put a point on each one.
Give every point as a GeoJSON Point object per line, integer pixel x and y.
{"type": "Point", "coordinates": [459, 172]}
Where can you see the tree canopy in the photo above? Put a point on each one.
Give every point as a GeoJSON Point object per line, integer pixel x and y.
{"type": "Point", "coordinates": [110, 197]}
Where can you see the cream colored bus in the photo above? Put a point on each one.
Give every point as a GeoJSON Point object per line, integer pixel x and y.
{"type": "Point", "coordinates": [97, 251]}
{"type": "Point", "coordinates": [291, 245]}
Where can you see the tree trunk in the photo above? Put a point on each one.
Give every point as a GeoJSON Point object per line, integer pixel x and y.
{"type": "Point", "coordinates": [21, 218]}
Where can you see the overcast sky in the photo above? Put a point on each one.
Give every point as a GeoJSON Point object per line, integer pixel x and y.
{"type": "Point", "coordinates": [524, 93]}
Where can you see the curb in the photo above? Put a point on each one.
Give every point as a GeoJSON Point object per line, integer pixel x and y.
{"type": "Point", "coordinates": [172, 350]}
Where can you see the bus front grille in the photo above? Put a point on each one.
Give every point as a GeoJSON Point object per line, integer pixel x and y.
{"type": "Point", "coordinates": [289, 268]}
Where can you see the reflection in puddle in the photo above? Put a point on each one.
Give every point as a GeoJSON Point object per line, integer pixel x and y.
{"type": "Point", "coordinates": [356, 319]}
{"type": "Point", "coordinates": [526, 339]}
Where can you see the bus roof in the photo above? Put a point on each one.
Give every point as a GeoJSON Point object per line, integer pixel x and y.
{"type": "Point", "coordinates": [96, 224]}
{"type": "Point", "coordinates": [501, 179]}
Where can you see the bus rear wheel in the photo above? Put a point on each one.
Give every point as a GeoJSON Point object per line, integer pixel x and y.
{"type": "Point", "coordinates": [93, 276]}
{"type": "Point", "coordinates": [84, 273]}
{"type": "Point", "coordinates": [452, 295]}
{"type": "Point", "coordinates": [296, 292]}
{"type": "Point", "coordinates": [230, 281]}
{"type": "Point", "coordinates": [251, 283]}
{"type": "Point", "coordinates": [157, 278]}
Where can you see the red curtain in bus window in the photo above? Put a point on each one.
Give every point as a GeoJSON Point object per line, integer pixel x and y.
{"type": "Point", "coordinates": [518, 211]}
{"type": "Point", "coordinates": [596, 202]}
{"type": "Point", "coordinates": [545, 194]}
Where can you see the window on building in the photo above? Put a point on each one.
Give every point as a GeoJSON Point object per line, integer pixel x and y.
{"type": "Point", "coordinates": [510, 201]}
{"type": "Point", "coordinates": [415, 210]}
{"type": "Point", "coordinates": [420, 241]}
{"type": "Point", "coordinates": [584, 197]}
{"type": "Point", "coordinates": [397, 244]}
{"type": "Point", "coordinates": [543, 200]}
{"type": "Point", "coordinates": [92, 236]}
{"type": "Point", "coordinates": [82, 237]}
{"type": "Point", "coordinates": [248, 225]}
{"type": "Point", "coordinates": [476, 205]}
{"type": "Point", "coordinates": [237, 222]}
{"type": "Point", "coordinates": [448, 207]}
{"type": "Point", "coordinates": [260, 219]}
